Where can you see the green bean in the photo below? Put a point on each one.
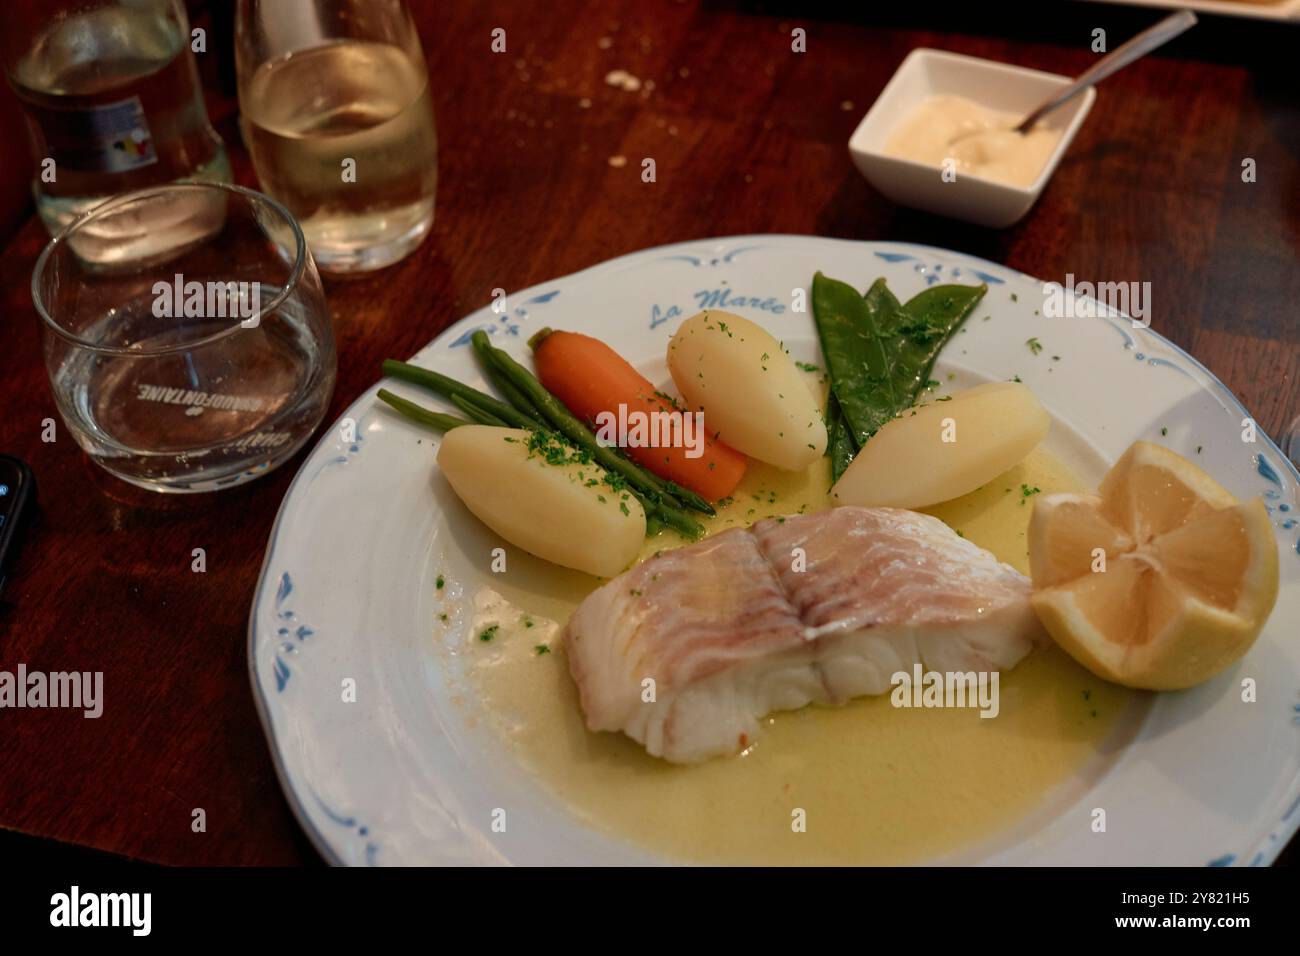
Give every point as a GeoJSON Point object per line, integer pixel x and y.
{"type": "Point", "coordinates": [475, 413]}
{"type": "Point", "coordinates": [485, 409]}
{"type": "Point", "coordinates": [576, 431]}
{"type": "Point", "coordinates": [674, 518]}
{"type": "Point", "coordinates": [678, 520]}
{"type": "Point", "coordinates": [662, 514]}
{"type": "Point", "coordinates": [671, 517]}
{"type": "Point", "coordinates": [521, 402]}
{"type": "Point", "coordinates": [420, 414]}
{"type": "Point", "coordinates": [658, 514]}
{"type": "Point", "coordinates": [437, 382]}
{"type": "Point", "coordinates": [573, 427]}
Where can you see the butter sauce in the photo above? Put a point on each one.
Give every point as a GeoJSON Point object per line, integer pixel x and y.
{"type": "Point", "coordinates": [876, 784]}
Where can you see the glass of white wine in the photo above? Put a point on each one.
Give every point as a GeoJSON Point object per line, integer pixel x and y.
{"type": "Point", "coordinates": [334, 97]}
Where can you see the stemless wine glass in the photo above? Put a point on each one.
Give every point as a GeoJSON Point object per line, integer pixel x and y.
{"type": "Point", "coordinates": [335, 110]}
{"type": "Point", "coordinates": [195, 363]}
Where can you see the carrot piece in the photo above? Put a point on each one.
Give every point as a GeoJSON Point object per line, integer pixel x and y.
{"type": "Point", "coordinates": [590, 377]}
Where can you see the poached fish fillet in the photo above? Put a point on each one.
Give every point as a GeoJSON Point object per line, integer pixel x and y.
{"type": "Point", "coordinates": [688, 650]}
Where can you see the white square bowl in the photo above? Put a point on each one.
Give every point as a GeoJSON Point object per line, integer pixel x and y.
{"type": "Point", "coordinates": [998, 86]}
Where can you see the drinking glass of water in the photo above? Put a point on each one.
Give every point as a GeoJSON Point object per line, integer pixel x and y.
{"type": "Point", "coordinates": [201, 353]}
{"type": "Point", "coordinates": [335, 110]}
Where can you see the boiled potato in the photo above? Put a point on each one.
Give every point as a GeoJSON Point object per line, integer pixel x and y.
{"type": "Point", "coordinates": [751, 394]}
{"type": "Point", "coordinates": [548, 509]}
{"type": "Point", "coordinates": [944, 449]}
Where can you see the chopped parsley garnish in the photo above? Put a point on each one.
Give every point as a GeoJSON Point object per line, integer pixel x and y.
{"type": "Point", "coordinates": [488, 632]}
{"type": "Point", "coordinates": [554, 450]}
{"type": "Point", "coordinates": [440, 582]}
{"type": "Point", "coordinates": [921, 331]}
{"type": "Point", "coordinates": [1035, 346]}
{"type": "Point", "coordinates": [1026, 492]}
{"type": "Point", "coordinates": [540, 649]}
{"type": "Point", "coordinates": [670, 400]}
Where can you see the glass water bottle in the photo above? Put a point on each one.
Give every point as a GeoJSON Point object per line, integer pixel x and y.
{"type": "Point", "coordinates": [111, 94]}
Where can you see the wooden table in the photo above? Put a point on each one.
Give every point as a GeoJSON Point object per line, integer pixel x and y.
{"type": "Point", "coordinates": [747, 137]}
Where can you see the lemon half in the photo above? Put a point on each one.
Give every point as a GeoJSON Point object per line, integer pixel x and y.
{"type": "Point", "coordinates": [1161, 579]}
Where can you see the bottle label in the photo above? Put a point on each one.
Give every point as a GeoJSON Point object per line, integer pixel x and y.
{"type": "Point", "coordinates": [111, 138]}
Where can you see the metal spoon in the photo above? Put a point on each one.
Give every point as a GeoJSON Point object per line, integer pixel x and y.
{"type": "Point", "coordinates": [1117, 59]}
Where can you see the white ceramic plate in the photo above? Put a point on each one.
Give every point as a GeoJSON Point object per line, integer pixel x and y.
{"type": "Point", "coordinates": [407, 775]}
{"type": "Point", "coordinates": [1276, 10]}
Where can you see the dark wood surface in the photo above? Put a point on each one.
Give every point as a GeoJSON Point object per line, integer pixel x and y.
{"type": "Point", "coordinates": [747, 137]}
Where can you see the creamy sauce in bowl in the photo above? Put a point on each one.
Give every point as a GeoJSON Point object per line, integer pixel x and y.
{"type": "Point", "coordinates": [979, 141]}
{"type": "Point", "coordinates": [876, 784]}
